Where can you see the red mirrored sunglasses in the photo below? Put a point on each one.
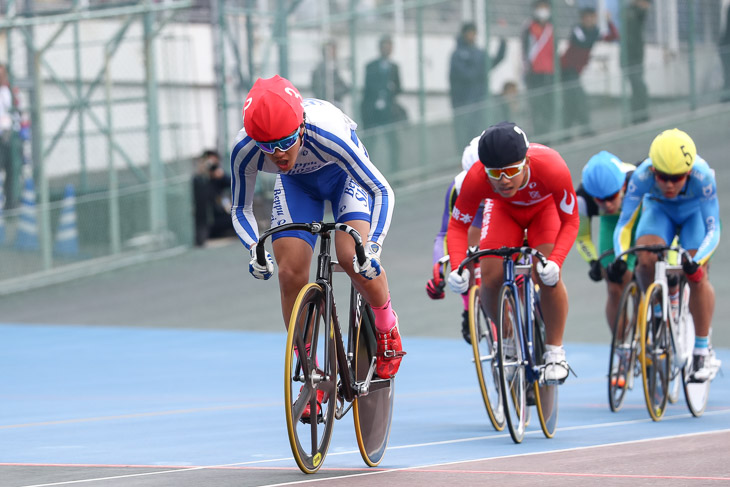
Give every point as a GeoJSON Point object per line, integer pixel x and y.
{"type": "Point", "coordinates": [608, 198]}
{"type": "Point", "coordinates": [674, 178]}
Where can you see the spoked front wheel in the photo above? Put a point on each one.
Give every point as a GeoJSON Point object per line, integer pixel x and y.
{"type": "Point", "coordinates": [511, 365]}
{"type": "Point", "coordinates": [624, 346]}
{"type": "Point", "coordinates": [656, 352]}
{"type": "Point", "coordinates": [372, 412]}
{"type": "Point", "coordinates": [310, 380]}
{"type": "Point", "coordinates": [546, 395]}
{"type": "Point", "coordinates": [484, 346]}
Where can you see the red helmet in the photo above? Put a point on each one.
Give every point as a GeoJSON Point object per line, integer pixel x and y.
{"type": "Point", "coordinates": [273, 109]}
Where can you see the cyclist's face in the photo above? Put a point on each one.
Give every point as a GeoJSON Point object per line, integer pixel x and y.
{"type": "Point", "coordinates": [670, 189]}
{"type": "Point", "coordinates": [611, 206]}
{"type": "Point", "coordinates": [285, 160]}
{"type": "Point", "coordinates": [506, 187]}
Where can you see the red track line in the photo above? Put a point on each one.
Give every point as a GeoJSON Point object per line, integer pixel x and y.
{"type": "Point", "coordinates": [570, 474]}
{"type": "Point", "coordinates": [185, 467]}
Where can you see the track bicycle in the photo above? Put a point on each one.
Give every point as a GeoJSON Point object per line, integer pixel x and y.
{"type": "Point", "coordinates": [622, 363]}
{"type": "Point", "coordinates": [520, 344]}
{"type": "Point", "coordinates": [666, 338]}
{"type": "Point", "coordinates": [332, 375]}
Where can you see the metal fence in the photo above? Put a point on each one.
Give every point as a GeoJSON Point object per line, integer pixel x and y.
{"type": "Point", "coordinates": [116, 98]}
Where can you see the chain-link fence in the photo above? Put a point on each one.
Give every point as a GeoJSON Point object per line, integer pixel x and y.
{"type": "Point", "coordinates": [117, 98]}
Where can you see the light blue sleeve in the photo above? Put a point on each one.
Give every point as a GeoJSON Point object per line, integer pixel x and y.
{"type": "Point", "coordinates": [639, 184]}
{"type": "Point", "coordinates": [710, 209]}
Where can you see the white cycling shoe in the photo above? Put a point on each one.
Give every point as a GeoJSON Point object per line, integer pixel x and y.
{"type": "Point", "coordinates": [556, 368]}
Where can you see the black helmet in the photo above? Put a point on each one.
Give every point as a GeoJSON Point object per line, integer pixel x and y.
{"type": "Point", "coordinates": [502, 144]}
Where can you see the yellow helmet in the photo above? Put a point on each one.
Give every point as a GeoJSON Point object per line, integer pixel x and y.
{"type": "Point", "coordinates": [673, 152]}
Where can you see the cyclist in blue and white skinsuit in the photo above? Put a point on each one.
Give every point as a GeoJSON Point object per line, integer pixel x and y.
{"type": "Point", "coordinates": [314, 150]}
{"type": "Point", "coordinates": [678, 196]}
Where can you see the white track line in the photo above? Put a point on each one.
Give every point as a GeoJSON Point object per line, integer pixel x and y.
{"type": "Point", "coordinates": [418, 445]}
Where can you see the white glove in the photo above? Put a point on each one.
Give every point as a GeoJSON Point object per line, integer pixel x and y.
{"type": "Point", "coordinates": [371, 268]}
{"type": "Point", "coordinates": [261, 271]}
{"type": "Point", "coordinates": [549, 274]}
{"type": "Point", "coordinates": [459, 283]}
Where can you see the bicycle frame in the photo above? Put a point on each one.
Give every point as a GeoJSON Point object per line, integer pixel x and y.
{"type": "Point", "coordinates": [349, 388]}
{"type": "Point", "coordinates": [530, 300]}
{"type": "Point", "coordinates": [662, 270]}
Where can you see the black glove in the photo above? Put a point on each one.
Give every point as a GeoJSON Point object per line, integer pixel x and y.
{"type": "Point", "coordinates": [435, 286]}
{"type": "Point", "coordinates": [595, 273]}
{"type": "Point", "coordinates": [693, 270]}
{"type": "Point", "coordinates": [615, 271]}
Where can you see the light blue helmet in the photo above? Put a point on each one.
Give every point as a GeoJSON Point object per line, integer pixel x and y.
{"type": "Point", "coordinates": [602, 175]}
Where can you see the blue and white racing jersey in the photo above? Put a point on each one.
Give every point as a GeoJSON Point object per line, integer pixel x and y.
{"type": "Point", "coordinates": [329, 138]}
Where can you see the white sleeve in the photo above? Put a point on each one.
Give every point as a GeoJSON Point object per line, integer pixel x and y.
{"type": "Point", "coordinates": [245, 161]}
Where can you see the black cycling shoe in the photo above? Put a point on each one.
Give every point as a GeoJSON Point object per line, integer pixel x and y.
{"type": "Point", "coordinates": [465, 326]}
{"type": "Point", "coordinates": [530, 395]}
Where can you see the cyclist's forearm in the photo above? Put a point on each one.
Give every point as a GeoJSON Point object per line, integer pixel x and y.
{"type": "Point", "coordinates": [245, 225]}
{"type": "Point", "coordinates": [586, 248]}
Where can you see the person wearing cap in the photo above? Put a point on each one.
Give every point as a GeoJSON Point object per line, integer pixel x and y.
{"type": "Point", "coordinates": [436, 284]}
{"type": "Point", "coordinates": [529, 189]}
{"type": "Point", "coordinates": [600, 194]}
{"type": "Point", "coordinates": [673, 192]}
{"type": "Point", "coordinates": [313, 149]}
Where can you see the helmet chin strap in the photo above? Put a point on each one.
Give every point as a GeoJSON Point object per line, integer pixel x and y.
{"type": "Point", "coordinates": [527, 179]}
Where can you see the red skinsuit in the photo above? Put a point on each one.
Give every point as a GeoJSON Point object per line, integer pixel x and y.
{"type": "Point", "coordinates": [532, 207]}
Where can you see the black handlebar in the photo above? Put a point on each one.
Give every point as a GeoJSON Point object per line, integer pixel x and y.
{"type": "Point", "coordinates": [657, 249]}
{"type": "Point", "coordinates": [315, 228]}
{"type": "Point", "coordinates": [504, 252]}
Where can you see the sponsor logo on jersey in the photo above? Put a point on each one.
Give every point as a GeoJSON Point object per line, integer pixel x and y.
{"type": "Point", "coordinates": [565, 205]}
{"type": "Point", "coordinates": [486, 217]}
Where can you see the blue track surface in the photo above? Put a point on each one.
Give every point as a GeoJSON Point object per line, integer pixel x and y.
{"type": "Point", "coordinates": [131, 396]}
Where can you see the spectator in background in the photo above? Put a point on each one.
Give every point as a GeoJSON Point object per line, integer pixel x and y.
{"type": "Point", "coordinates": [582, 37]}
{"type": "Point", "coordinates": [6, 131]}
{"type": "Point", "coordinates": [724, 43]}
{"type": "Point", "coordinates": [379, 105]}
{"type": "Point", "coordinates": [327, 84]}
{"type": "Point", "coordinates": [633, 58]}
{"type": "Point", "coordinates": [212, 199]}
{"type": "Point", "coordinates": [508, 106]}
{"type": "Point", "coordinates": [468, 83]}
{"type": "Point", "coordinates": [537, 49]}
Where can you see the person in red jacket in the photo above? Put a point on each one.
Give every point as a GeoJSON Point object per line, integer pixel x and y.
{"type": "Point", "coordinates": [538, 54]}
{"type": "Point", "coordinates": [583, 36]}
{"type": "Point", "coordinates": [530, 189]}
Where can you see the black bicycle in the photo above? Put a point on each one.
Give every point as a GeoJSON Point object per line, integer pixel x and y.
{"type": "Point", "coordinates": [329, 376]}
{"type": "Point", "coordinates": [520, 335]}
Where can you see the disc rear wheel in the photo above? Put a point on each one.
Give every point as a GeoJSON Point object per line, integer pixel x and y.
{"type": "Point", "coordinates": [373, 412]}
{"type": "Point", "coordinates": [546, 395]}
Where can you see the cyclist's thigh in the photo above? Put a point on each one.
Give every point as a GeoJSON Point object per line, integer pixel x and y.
{"type": "Point", "coordinates": [692, 231]}
{"type": "Point", "coordinates": [543, 224]}
{"type": "Point", "coordinates": [349, 200]}
{"type": "Point", "coordinates": [293, 257]}
{"type": "Point", "coordinates": [655, 220]}
{"type": "Point", "coordinates": [499, 229]}
{"type": "Point", "coordinates": [296, 202]}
